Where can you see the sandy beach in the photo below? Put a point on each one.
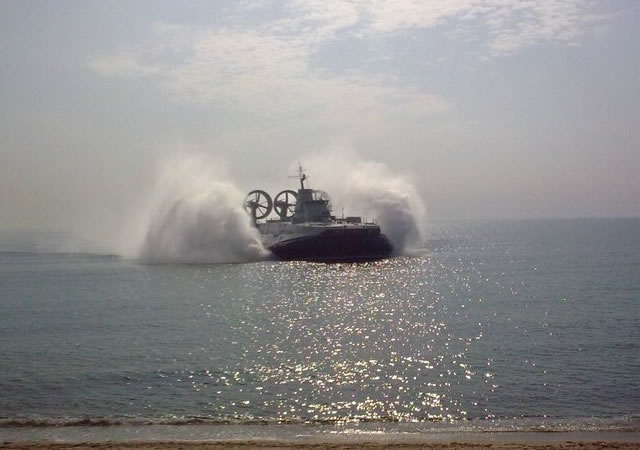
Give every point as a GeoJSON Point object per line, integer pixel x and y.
{"type": "Point", "coordinates": [566, 445]}
{"type": "Point", "coordinates": [490, 440]}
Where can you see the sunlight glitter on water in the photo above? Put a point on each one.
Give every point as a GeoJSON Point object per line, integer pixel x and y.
{"type": "Point", "coordinates": [349, 342]}
{"type": "Point", "coordinates": [534, 323]}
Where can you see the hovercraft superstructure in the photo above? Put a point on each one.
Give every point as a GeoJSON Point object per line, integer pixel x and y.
{"type": "Point", "coordinates": [306, 230]}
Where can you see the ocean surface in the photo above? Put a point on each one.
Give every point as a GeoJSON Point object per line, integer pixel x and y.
{"type": "Point", "coordinates": [490, 326]}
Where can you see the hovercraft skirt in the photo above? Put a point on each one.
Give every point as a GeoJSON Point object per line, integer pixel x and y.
{"type": "Point", "coordinates": [335, 246]}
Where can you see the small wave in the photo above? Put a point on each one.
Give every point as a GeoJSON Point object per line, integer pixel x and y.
{"type": "Point", "coordinates": [134, 421]}
{"type": "Point", "coordinates": [105, 422]}
{"type": "Point", "coordinates": [432, 424]}
{"type": "Point", "coordinates": [58, 422]}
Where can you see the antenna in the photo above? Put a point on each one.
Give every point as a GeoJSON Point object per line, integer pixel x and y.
{"type": "Point", "coordinates": [301, 175]}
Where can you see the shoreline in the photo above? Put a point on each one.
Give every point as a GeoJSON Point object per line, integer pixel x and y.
{"type": "Point", "coordinates": [224, 445]}
{"type": "Point", "coordinates": [528, 440]}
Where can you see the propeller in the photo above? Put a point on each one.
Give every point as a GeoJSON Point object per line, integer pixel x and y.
{"type": "Point", "coordinates": [285, 204]}
{"type": "Point", "coordinates": [258, 203]}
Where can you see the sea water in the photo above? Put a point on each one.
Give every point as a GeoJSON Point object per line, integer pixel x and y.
{"type": "Point", "coordinates": [515, 325]}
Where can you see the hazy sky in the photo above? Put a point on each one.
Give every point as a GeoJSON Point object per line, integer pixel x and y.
{"type": "Point", "coordinates": [496, 108]}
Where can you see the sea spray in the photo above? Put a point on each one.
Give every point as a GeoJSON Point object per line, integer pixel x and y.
{"type": "Point", "coordinates": [372, 190]}
{"type": "Point", "coordinates": [196, 216]}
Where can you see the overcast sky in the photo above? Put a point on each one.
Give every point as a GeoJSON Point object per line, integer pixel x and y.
{"type": "Point", "coordinates": [496, 108]}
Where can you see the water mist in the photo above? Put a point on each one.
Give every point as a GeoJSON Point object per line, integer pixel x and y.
{"type": "Point", "coordinates": [372, 190]}
{"type": "Point", "coordinates": [196, 216]}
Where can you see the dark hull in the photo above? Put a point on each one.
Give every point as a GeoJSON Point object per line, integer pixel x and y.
{"type": "Point", "coordinates": [335, 246]}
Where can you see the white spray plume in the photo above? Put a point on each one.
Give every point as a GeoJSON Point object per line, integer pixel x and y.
{"type": "Point", "coordinates": [372, 190]}
{"type": "Point", "coordinates": [196, 216]}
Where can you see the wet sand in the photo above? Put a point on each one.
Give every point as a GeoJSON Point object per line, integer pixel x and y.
{"type": "Point", "coordinates": [534, 441]}
{"type": "Point", "coordinates": [283, 445]}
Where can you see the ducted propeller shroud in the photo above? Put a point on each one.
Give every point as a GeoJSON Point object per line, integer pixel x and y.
{"type": "Point", "coordinates": [285, 203]}
{"type": "Point", "coordinates": [258, 203]}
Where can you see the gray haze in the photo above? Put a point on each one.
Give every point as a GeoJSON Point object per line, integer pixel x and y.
{"type": "Point", "coordinates": [492, 109]}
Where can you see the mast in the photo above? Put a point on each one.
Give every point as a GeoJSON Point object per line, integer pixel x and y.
{"type": "Point", "coordinates": [301, 175]}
